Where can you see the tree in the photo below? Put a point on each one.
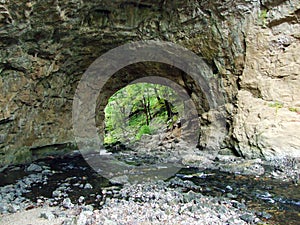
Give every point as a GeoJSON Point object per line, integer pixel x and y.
{"type": "Point", "coordinates": [130, 111]}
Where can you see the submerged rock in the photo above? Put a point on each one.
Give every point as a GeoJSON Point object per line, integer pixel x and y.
{"type": "Point", "coordinates": [249, 218]}
{"type": "Point", "coordinates": [119, 180]}
{"type": "Point", "coordinates": [34, 168]}
{"type": "Point", "coordinates": [88, 186]}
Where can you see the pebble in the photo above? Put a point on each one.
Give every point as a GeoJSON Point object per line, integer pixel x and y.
{"type": "Point", "coordinates": [249, 218]}
{"type": "Point", "coordinates": [229, 195]}
{"type": "Point", "coordinates": [82, 219]}
{"type": "Point", "coordinates": [109, 222]}
{"type": "Point", "coordinates": [3, 168]}
{"type": "Point", "coordinates": [3, 207]}
{"type": "Point", "coordinates": [34, 168]}
{"type": "Point", "coordinates": [88, 208]}
{"type": "Point", "coordinates": [88, 186]}
{"type": "Point", "coordinates": [229, 188]}
{"type": "Point", "coordinates": [56, 193]}
{"type": "Point", "coordinates": [264, 215]}
{"type": "Point", "coordinates": [13, 208]}
{"type": "Point", "coordinates": [119, 180]}
{"type": "Point", "coordinates": [238, 205]}
{"type": "Point", "coordinates": [81, 199]}
{"type": "Point", "coordinates": [69, 221]}
{"type": "Point", "coordinates": [190, 196]}
{"type": "Point", "coordinates": [47, 215]}
{"type": "Point", "coordinates": [67, 203]}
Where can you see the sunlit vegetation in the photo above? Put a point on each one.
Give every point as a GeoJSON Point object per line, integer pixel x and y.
{"type": "Point", "coordinates": [292, 109]}
{"type": "Point", "coordinates": [139, 109]}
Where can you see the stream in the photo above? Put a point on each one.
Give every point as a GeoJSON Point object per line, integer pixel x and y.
{"type": "Point", "coordinates": [273, 200]}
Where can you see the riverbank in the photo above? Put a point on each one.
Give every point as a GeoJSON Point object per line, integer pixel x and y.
{"type": "Point", "coordinates": [150, 203]}
{"type": "Point", "coordinates": [220, 190]}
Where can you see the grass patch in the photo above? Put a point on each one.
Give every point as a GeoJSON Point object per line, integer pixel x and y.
{"type": "Point", "coordinates": [276, 105]}
{"type": "Point", "coordinates": [263, 17]}
{"type": "Point", "coordinates": [292, 109]}
{"type": "Point", "coordinates": [143, 130]}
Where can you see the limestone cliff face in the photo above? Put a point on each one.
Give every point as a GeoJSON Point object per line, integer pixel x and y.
{"type": "Point", "coordinates": [268, 115]}
{"type": "Point", "coordinates": [251, 46]}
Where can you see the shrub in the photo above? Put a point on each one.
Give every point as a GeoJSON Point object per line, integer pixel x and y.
{"type": "Point", "coordinates": [145, 129]}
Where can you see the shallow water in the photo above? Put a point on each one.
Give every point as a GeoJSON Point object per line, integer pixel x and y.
{"type": "Point", "coordinates": [279, 199]}
{"type": "Point", "coordinates": [268, 197]}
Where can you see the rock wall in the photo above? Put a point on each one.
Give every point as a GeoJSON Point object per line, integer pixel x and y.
{"type": "Point", "coordinates": [46, 45]}
{"type": "Point", "coordinates": [267, 122]}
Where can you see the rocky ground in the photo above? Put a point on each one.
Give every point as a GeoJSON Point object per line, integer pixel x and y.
{"type": "Point", "coordinates": [167, 149]}
{"type": "Point", "coordinates": [174, 201]}
{"type": "Point", "coordinates": [150, 203]}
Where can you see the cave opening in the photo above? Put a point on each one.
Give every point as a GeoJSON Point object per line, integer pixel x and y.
{"type": "Point", "coordinates": [186, 73]}
{"type": "Point", "coordinates": [151, 106]}
{"type": "Point", "coordinates": [141, 109]}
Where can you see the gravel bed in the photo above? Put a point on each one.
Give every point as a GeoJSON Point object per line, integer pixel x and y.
{"type": "Point", "coordinates": [156, 203]}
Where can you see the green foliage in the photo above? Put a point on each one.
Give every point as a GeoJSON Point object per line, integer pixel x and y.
{"type": "Point", "coordinates": [138, 109]}
{"type": "Point", "coordinates": [276, 105]}
{"type": "Point", "coordinates": [109, 139]}
{"type": "Point", "coordinates": [145, 129]}
{"type": "Point", "coordinates": [263, 17]}
{"type": "Point", "coordinates": [292, 109]}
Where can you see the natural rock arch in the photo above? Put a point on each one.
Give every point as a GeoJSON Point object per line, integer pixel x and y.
{"type": "Point", "coordinates": [156, 73]}
{"type": "Point", "coordinates": [100, 78]}
{"type": "Point", "coordinates": [252, 48]}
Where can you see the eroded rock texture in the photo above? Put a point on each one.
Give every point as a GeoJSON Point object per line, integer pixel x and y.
{"type": "Point", "coordinates": [251, 47]}
{"type": "Point", "coordinates": [268, 119]}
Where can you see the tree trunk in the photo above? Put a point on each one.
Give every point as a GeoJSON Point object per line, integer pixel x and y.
{"type": "Point", "coordinates": [169, 110]}
{"type": "Point", "coordinates": [145, 110]}
{"type": "Point", "coordinates": [156, 93]}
